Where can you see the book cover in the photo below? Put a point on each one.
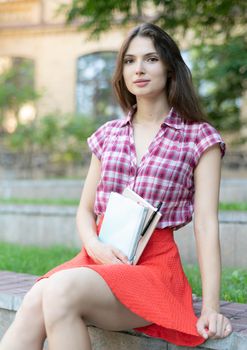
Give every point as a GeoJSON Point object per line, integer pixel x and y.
{"type": "Point", "coordinates": [143, 241]}
{"type": "Point", "coordinates": [123, 223]}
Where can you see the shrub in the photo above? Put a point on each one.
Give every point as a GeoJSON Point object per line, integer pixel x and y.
{"type": "Point", "coordinates": [51, 140]}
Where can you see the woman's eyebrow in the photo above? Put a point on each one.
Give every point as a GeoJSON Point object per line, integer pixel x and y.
{"type": "Point", "coordinates": [147, 54]}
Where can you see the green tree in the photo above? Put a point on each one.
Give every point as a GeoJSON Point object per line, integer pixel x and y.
{"type": "Point", "coordinates": [16, 88]}
{"type": "Point", "coordinates": [209, 17]}
{"type": "Point", "coordinates": [220, 73]}
{"type": "Point", "coordinates": [218, 51]}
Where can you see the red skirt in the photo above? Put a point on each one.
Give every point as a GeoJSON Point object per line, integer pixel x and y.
{"type": "Point", "coordinates": [155, 289]}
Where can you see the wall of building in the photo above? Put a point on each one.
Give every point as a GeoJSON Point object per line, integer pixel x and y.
{"type": "Point", "coordinates": [54, 47]}
{"type": "Point", "coordinates": [32, 29]}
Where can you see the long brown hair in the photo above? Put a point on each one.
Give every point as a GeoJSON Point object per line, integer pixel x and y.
{"type": "Point", "coordinates": [179, 88]}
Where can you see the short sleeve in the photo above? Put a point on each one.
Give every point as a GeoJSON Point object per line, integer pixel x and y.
{"type": "Point", "coordinates": [207, 137]}
{"type": "Point", "coordinates": [97, 139]}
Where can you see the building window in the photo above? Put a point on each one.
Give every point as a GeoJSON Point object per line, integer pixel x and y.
{"type": "Point", "coordinates": [94, 95]}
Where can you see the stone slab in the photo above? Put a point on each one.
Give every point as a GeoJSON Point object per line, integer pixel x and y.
{"type": "Point", "coordinates": [230, 190]}
{"type": "Point", "coordinates": [233, 190]}
{"type": "Point", "coordinates": [233, 238]}
{"type": "Point", "coordinates": [105, 340]}
{"type": "Point", "coordinates": [43, 189]}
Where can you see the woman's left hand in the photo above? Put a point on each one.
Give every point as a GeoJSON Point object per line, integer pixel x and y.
{"type": "Point", "coordinates": [212, 324]}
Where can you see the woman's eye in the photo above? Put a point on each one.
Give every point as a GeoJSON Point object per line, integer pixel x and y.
{"type": "Point", "coordinates": [128, 61]}
{"type": "Point", "coordinates": [152, 59]}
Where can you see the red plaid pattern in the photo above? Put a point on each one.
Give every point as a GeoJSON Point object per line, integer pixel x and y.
{"type": "Point", "coordinates": [166, 170]}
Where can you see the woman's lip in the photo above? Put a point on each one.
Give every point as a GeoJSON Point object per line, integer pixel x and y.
{"type": "Point", "coordinates": [141, 83]}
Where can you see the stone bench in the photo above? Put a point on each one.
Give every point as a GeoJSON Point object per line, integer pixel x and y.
{"type": "Point", "coordinates": [13, 286]}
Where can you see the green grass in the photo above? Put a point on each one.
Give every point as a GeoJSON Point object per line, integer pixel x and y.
{"type": "Point", "coordinates": [233, 283]}
{"type": "Point", "coordinates": [39, 201]}
{"type": "Point", "coordinates": [33, 260]}
{"type": "Point", "coordinates": [75, 202]}
{"type": "Point", "coordinates": [233, 206]}
{"type": "Point", "coordinates": [37, 261]}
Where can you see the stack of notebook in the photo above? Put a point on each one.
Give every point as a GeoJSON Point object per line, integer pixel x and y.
{"type": "Point", "coordinates": [128, 223]}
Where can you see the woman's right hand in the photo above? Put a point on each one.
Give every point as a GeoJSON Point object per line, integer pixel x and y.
{"type": "Point", "coordinates": [103, 253]}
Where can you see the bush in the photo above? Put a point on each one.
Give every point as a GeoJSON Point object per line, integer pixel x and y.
{"type": "Point", "coordinates": [52, 139]}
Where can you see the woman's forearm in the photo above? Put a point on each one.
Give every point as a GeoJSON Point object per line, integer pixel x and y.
{"type": "Point", "coordinates": [86, 225]}
{"type": "Point", "coordinates": [208, 251]}
{"type": "Point", "coordinates": [85, 218]}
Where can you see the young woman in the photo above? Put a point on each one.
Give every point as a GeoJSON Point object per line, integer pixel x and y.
{"type": "Point", "coordinates": [165, 151]}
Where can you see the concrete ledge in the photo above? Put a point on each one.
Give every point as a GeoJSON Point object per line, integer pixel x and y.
{"type": "Point", "coordinates": [13, 286]}
{"type": "Point", "coordinates": [231, 189]}
{"type": "Point", "coordinates": [39, 225]}
{"type": "Point", "coordinates": [55, 225]}
{"type": "Point", "coordinates": [69, 189]}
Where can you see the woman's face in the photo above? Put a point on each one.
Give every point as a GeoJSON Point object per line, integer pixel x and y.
{"type": "Point", "coordinates": [143, 71]}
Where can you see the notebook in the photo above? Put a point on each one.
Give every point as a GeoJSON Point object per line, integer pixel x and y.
{"type": "Point", "coordinates": [123, 223]}
{"type": "Point", "coordinates": [143, 240]}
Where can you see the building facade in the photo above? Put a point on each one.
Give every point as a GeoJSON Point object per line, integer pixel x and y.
{"type": "Point", "coordinates": [63, 58]}
{"type": "Point", "coordinates": [71, 72]}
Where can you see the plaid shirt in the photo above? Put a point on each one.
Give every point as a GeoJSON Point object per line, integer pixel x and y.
{"type": "Point", "coordinates": [165, 172]}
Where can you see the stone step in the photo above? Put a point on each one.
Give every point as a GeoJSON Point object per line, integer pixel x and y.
{"type": "Point", "coordinates": [232, 190]}
{"type": "Point", "coordinates": [13, 287]}
{"type": "Point", "coordinates": [55, 225]}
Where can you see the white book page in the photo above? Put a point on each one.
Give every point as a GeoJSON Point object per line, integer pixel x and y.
{"type": "Point", "coordinates": [121, 223]}
{"type": "Point", "coordinates": [129, 193]}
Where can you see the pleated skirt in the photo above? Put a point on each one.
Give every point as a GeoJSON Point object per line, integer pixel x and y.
{"type": "Point", "coordinates": [156, 289]}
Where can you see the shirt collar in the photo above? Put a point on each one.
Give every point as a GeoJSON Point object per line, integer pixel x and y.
{"type": "Point", "coordinates": [173, 119]}
{"type": "Point", "coordinates": [128, 119]}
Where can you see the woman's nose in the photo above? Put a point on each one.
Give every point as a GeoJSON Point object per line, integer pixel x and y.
{"type": "Point", "coordinates": [139, 69]}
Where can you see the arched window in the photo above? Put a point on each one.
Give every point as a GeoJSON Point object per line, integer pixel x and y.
{"type": "Point", "coordinates": [94, 95]}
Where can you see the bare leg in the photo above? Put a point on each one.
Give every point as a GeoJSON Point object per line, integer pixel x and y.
{"type": "Point", "coordinates": [28, 330]}
{"type": "Point", "coordinates": [76, 297]}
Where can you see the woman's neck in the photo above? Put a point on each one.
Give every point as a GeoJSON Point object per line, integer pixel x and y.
{"type": "Point", "coordinates": [150, 111]}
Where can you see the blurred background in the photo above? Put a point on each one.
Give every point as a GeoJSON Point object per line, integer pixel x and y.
{"type": "Point", "coordinates": [56, 62]}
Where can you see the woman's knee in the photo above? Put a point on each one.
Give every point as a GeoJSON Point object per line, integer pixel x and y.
{"type": "Point", "coordinates": [31, 307]}
{"type": "Point", "coordinates": [66, 295]}
{"type": "Point", "coordinates": [57, 301]}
